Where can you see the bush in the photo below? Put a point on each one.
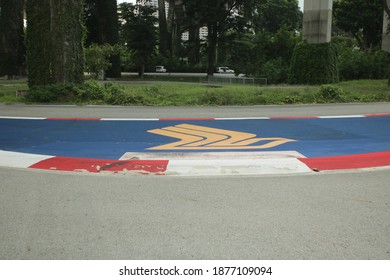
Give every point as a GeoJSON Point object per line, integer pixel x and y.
{"type": "Point", "coordinates": [330, 93]}
{"type": "Point", "coordinates": [90, 90]}
{"type": "Point", "coordinates": [275, 71]}
{"type": "Point", "coordinates": [74, 93]}
{"type": "Point", "coordinates": [97, 58]}
{"type": "Point", "coordinates": [52, 93]}
{"type": "Point", "coordinates": [218, 98]}
{"type": "Point", "coordinates": [357, 65]}
{"type": "Point", "coordinates": [314, 64]}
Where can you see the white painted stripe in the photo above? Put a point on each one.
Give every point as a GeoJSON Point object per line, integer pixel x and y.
{"type": "Point", "coordinates": [21, 160]}
{"type": "Point", "coordinates": [341, 117]}
{"type": "Point", "coordinates": [127, 119]}
{"type": "Point", "coordinates": [21, 118]}
{"type": "Point", "coordinates": [235, 167]}
{"type": "Point", "coordinates": [249, 118]}
{"type": "Point", "coordinates": [53, 105]}
{"type": "Point", "coordinates": [217, 119]}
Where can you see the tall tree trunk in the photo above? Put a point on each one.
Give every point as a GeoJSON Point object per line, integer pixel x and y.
{"type": "Point", "coordinates": [387, 10]}
{"type": "Point", "coordinates": [142, 71]}
{"type": "Point", "coordinates": [11, 37]}
{"type": "Point", "coordinates": [55, 33]}
{"type": "Point", "coordinates": [67, 33]}
{"type": "Point", "coordinates": [110, 34]}
{"type": "Point", "coordinates": [163, 29]}
{"type": "Point", "coordinates": [194, 45]}
{"type": "Point", "coordinates": [170, 26]}
{"type": "Point", "coordinates": [38, 42]}
{"type": "Point", "coordinates": [212, 47]}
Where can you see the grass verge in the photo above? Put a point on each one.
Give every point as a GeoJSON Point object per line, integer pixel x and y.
{"type": "Point", "coordinates": [185, 94]}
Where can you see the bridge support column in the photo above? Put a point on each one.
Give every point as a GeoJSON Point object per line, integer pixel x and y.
{"type": "Point", "coordinates": [317, 21]}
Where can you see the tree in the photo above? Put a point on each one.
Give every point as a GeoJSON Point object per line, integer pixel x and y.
{"type": "Point", "coordinates": [214, 14]}
{"type": "Point", "coordinates": [38, 42]}
{"type": "Point", "coordinates": [272, 15]}
{"type": "Point", "coordinates": [387, 10]}
{"type": "Point", "coordinates": [243, 55]}
{"type": "Point", "coordinates": [67, 34]}
{"type": "Point", "coordinates": [97, 59]}
{"type": "Point", "coordinates": [11, 37]}
{"type": "Point", "coordinates": [362, 19]}
{"type": "Point", "coordinates": [260, 42]}
{"type": "Point", "coordinates": [163, 29]}
{"type": "Point", "coordinates": [139, 32]}
{"type": "Point", "coordinates": [55, 36]}
{"type": "Point", "coordinates": [103, 28]}
{"type": "Point", "coordinates": [386, 7]}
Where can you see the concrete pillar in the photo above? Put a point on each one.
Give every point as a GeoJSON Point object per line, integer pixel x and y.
{"type": "Point", "coordinates": [385, 36]}
{"type": "Point", "coordinates": [317, 21]}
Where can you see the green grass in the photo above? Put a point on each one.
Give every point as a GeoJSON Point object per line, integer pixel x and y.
{"type": "Point", "coordinates": [365, 86]}
{"type": "Point", "coordinates": [8, 89]}
{"type": "Point", "coordinates": [195, 94]}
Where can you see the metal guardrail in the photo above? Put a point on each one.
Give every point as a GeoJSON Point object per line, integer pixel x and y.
{"type": "Point", "coordinates": [243, 81]}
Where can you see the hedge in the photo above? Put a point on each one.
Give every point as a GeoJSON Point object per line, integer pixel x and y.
{"type": "Point", "coordinates": [314, 64]}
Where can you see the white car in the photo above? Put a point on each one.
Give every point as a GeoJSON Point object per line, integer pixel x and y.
{"type": "Point", "coordinates": [225, 70]}
{"type": "Point", "coordinates": [161, 69]}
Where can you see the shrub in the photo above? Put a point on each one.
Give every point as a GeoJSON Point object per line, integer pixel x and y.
{"type": "Point", "coordinates": [275, 71]}
{"type": "Point", "coordinates": [314, 64]}
{"type": "Point", "coordinates": [357, 65]}
{"type": "Point", "coordinates": [97, 58]}
{"type": "Point", "coordinates": [52, 93]}
{"type": "Point", "coordinates": [217, 98]}
{"type": "Point", "coordinates": [90, 90]}
{"type": "Point", "coordinates": [75, 93]}
{"type": "Point", "coordinates": [330, 93]}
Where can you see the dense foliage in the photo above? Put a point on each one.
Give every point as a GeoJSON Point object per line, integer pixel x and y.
{"type": "Point", "coordinates": [38, 42]}
{"type": "Point", "coordinates": [93, 92]}
{"type": "Point", "coordinates": [355, 64]}
{"type": "Point", "coordinates": [139, 33]}
{"type": "Point", "coordinates": [55, 43]}
{"type": "Point", "coordinates": [11, 38]}
{"type": "Point", "coordinates": [256, 38]}
{"type": "Point", "coordinates": [218, 16]}
{"type": "Point", "coordinates": [314, 64]}
{"type": "Point", "coordinates": [102, 29]}
{"type": "Point", "coordinates": [361, 19]}
{"type": "Point", "coordinates": [97, 59]}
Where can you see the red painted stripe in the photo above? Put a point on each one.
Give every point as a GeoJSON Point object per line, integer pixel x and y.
{"type": "Point", "coordinates": [101, 165]}
{"type": "Point", "coordinates": [73, 119]}
{"type": "Point", "coordinates": [377, 115]}
{"type": "Point", "coordinates": [348, 161]}
{"type": "Point", "coordinates": [187, 119]}
{"type": "Point", "coordinates": [294, 117]}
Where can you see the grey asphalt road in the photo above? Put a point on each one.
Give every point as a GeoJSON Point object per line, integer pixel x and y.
{"type": "Point", "coordinates": [47, 215]}
{"type": "Point", "coordinates": [221, 75]}
{"type": "Point", "coordinates": [54, 215]}
{"type": "Point", "coordinates": [191, 112]}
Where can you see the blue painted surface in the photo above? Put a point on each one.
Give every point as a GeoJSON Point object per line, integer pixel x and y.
{"type": "Point", "coordinates": [111, 139]}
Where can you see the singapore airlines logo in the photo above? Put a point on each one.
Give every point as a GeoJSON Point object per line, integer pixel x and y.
{"type": "Point", "coordinates": [194, 137]}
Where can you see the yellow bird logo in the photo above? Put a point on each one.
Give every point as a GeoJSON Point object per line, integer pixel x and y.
{"type": "Point", "coordinates": [194, 137]}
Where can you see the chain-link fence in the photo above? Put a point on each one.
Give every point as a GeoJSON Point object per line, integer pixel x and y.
{"type": "Point", "coordinates": [243, 81]}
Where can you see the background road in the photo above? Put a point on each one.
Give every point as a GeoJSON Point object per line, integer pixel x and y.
{"type": "Point", "coordinates": [53, 215]}
{"type": "Point", "coordinates": [191, 112]}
